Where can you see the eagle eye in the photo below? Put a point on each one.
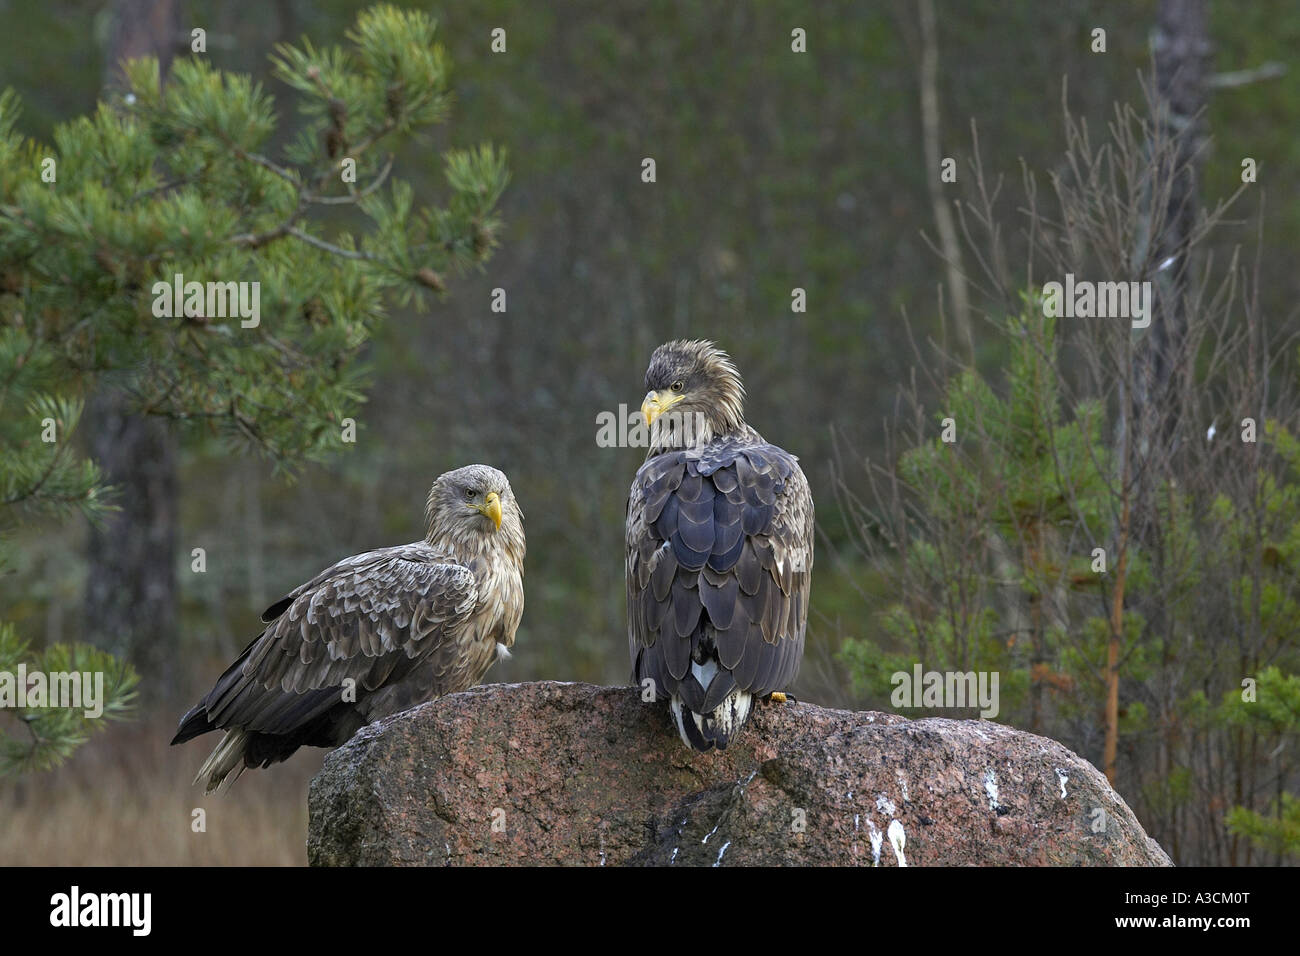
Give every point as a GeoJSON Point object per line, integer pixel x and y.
{"type": "Point", "coordinates": [677, 385]}
{"type": "Point", "coordinates": [470, 494]}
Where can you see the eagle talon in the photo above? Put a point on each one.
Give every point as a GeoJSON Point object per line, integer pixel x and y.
{"type": "Point", "coordinates": [776, 697]}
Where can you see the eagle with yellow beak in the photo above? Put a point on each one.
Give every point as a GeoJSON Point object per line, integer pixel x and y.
{"type": "Point", "coordinates": [375, 634]}
{"type": "Point", "coordinates": [719, 550]}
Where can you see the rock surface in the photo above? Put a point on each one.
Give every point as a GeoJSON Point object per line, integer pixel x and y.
{"type": "Point", "coordinates": [550, 773]}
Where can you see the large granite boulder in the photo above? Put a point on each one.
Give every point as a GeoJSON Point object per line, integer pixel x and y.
{"type": "Point", "coordinates": [551, 773]}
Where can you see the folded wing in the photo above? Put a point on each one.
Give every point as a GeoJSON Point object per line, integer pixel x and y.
{"type": "Point", "coordinates": [369, 620]}
{"type": "Point", "coordinates": [719, 549]}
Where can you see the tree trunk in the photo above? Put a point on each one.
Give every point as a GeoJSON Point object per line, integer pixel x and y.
{"type": "Point", "coordinates": [131, 606]}
{"type": "Point", "coordinates": [130, 601]}
{"type": "Point", "coordinates": [1114, 645]}
{"type": "Point", "coordinates": [943, 218]}
{"type": "Point", "coordinates": [1181, 52]}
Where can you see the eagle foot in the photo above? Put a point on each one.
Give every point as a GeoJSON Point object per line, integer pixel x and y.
{"type": "Point", "coordinates": [776, 697]}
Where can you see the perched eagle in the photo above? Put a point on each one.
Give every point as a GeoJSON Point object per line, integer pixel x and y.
{"type": "Point", "coordinates": [719, 549]}
{"type": "Point", "coordinates": [375, 634]}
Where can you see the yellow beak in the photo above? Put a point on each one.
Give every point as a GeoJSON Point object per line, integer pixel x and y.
{"type": "Point", "coordinates": [491, 507]}
{"type": "Point", "coordinates": [655, 405]}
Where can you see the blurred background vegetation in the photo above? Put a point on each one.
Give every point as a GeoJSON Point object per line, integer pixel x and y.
{"type": "Point", "coordinates": [775, 170]}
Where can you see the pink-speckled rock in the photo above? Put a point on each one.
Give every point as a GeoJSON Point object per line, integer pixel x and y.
{"type": "Point", "coordinates": [549, 773]}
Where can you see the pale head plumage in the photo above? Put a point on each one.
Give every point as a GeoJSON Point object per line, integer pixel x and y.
{"type": "Point", "coordinates": [699, 391]}
{"type": "Point", "coordinates": [459, 513]}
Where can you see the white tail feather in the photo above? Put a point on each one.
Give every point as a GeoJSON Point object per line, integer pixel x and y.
{"type": "Point", "coordinates": [228, 756]}
{"type": "Point", "coordinates": [722, 724]}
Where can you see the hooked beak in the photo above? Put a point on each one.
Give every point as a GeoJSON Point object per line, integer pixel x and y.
{"type": "Point", "coordinates": [656, 404]}
{"type": "Point", "coordinates": [491, 507]}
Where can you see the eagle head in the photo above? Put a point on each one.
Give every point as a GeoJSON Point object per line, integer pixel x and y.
{"type": "Point", "coordinates": [471, 509]}
{"type": "Point", "coordinates": [693, 394]}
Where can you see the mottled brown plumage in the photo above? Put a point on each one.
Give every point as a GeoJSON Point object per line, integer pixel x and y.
{"type": "Point", "coordinates": [719, 549]}
{"type": "Point", "coordinates": [376, 633]}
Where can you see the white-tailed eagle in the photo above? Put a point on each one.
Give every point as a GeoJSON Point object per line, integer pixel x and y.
{"type": "Point", "coordinates": [375, 634]}
{"type": "Point", "coordinates": [719, 549]}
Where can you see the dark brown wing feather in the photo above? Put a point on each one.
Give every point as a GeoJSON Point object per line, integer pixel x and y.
{"type": "Point", "coordinates": [371, 618]}
{"type": "Point", "coordinates": [719, 552]}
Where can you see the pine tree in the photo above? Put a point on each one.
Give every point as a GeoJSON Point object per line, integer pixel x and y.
{"type": "Point", "coordinates": [176, 186]}
{"type": "Point", "coordinates": [1002, 553]}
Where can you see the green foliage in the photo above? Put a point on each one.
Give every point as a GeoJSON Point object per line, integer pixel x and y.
{"type": "Point", "coordinates": [1276, 833]}
{"type": "Point", "coordinates": [1000, 509]}
{"type": "Point", "coordinates": [995, 572]}
{"type": "Point", "coordinates": [172, 181]}
{"type": "Point", "coordinates": [1273, 708]}
{"type": "Point", "coordinates": [46, 735]}
{"type": "Point", "coordinates": [175, 179]}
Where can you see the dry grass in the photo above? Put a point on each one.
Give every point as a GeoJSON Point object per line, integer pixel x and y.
{"type": "Point", "coordinates": [125, 799]}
